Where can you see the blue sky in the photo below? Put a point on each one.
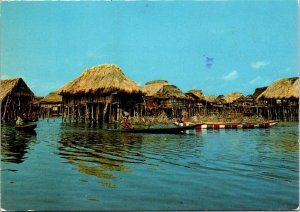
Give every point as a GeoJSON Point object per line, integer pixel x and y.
{"type": "Point", "coordinates": [216, 46]}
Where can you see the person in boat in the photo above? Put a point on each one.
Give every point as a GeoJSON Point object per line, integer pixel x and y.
{"type": "Point", "coordinates": [180, 120]}
{"type": "Point", "coordinates": [34, 116]}
{"type": "Point", "coordinates": [125, 123]}
{"type": "Point", "coordinates": [19, 121]}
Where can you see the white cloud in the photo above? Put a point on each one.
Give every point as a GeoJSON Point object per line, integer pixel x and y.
{"type": "Point", "coordinates": [259, 64]}
{"type": "Point", "coordinates": [231, 76]}
{"type": "Point", "coordinates": [255, 80]}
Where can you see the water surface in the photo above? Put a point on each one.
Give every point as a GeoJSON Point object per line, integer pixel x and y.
{"type": "Point", "coordinates": [69, 166]}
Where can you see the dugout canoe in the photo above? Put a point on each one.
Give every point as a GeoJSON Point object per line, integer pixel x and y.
{"type": "Point", "coordinates": [26, 127]}
{"type": "Point", "coordinates": [168, 130]}
{"type": "Point", "coordinates": [224, 125]}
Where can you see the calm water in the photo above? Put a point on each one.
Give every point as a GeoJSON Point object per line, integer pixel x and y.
{"type": "Point", "coordinates": [78, 167]}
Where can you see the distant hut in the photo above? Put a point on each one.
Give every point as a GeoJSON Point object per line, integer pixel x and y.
{"type": "Point", "coordinates": [171, 99]}
{"type": "Point", "coordinates": [282, 98]}
{"type": "Point", "coordinates": [150, 89]}
{"type": "Point", "coordinates": [231, 97]}
{"type": "Point", "coordinates": [244, 101]}
{"type": "Point", "coordinates": [16, 98]}
{"type": "Point", "coordinates": [36, 103]}
{"type": "Point", "coordinates": [51, 105]}
{"type": "Point", "coordinates": [197, 101]}
{"type": "Point", "coordinates": [100, 93]}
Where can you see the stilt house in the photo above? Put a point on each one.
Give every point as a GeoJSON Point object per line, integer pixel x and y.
{"type": "Point", "coordinates": [51, 105]}
{"type": "Point", "coordinates": [171, 100]}
{"type": "Point", "coordinates": [150, 89]}
{"type": "Point", "coordinates": [100, 94]}
{"type": "Point", "coordinates": [197, 103]}
{"type": "Point", "coordinates": [282, 99]}
{"type": "Point", "coordinates": [16, 98]}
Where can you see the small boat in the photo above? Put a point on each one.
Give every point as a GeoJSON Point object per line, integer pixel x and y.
{"type": "Point", "coordinates": [224, 125]}
{"type": "Point", "coordinates": [168, 130]}
{"type": "Point", "coordinates": [26, 127]}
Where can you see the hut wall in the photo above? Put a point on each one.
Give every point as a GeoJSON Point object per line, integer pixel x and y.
{"type": "Point", "coordinates": [100, 108]}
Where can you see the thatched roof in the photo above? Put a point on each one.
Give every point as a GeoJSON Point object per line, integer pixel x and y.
{"type": "Point", "coordinates": [248, 98]}
{"type": "Point", "coordinates": [152, 87]}
{"type": "Point", "coordinates": [232, 96]}
{"type": "Point", "coordinates": [196, 94]}
{"type": "Point", "coordinates": [102, 79]}
{"type": "Point", "coordinates": [168, 91]}
{"type": "Point", "coordinates": [211, 98]}
{"type": "Point", "coordinates": [220, 99]}
{"type": "Point", "coordinates": [52, 97]}
{"type": "Point", "coordinates": [37, 100]}
{"type": "Point", "coordinates": [282, 89]}
{"type": "Point", "coordinates": [259, 91]}
{"type": "Point", "coordinates": [16, 85]}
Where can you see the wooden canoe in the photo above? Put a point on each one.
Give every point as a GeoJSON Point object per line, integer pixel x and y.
{"type": "Point", "coordinates": [26, 127]}
{"type": "Point", "coordinates": [168, 130]}
{"type": "Point", "coordinates": [224, 125]}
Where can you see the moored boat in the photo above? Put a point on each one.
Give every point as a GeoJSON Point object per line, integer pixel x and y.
{"type": "Point", "coordinates": [224, 125]}
{"type": "Point", "coordinates": [168, 130]}
{"type": "Point", "coordinates": [26, 127]}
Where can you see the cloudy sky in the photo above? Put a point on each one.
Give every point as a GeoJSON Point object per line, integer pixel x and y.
{"type": "Point", "coordinates": [216, 46]}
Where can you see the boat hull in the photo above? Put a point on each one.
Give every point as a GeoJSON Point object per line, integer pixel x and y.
{"type": "Point", "coordinates": [171, 130]}
{"type": "Point", "coordinates": [223, 125]}
{"type": "Point", "coordinates": [27, 127]}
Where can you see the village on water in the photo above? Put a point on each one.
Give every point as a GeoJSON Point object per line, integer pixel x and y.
{"type": "Point", "coordinates": [103, 94]}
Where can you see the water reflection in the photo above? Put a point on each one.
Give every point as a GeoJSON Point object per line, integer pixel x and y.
{"type": "Point", "coordinates": [96, 152]}
{"type": "Point", "coordinates": [15, 144]}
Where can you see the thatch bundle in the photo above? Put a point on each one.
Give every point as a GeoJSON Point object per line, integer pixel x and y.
{"type": "Point", "coordinates": [152, 87]}
{"type": "Point", "coordinates": [232, 97]}
{"type": "Point", "coordinates": [52, 97]}
{"type": "Point", "coordinates": [197, 94]}
{"type": "Point", "coordinates": [102, 79]}
{"type": "Point", "coordinates": [16, 85]}
{"type": "Point", "coordinates": [168, 91]}
{"type": "Point", "coordinates": [282, 89]}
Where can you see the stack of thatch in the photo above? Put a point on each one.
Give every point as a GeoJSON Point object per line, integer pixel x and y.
{"type": "Point", "coordinates": [52, 97]}
{"type": "Point", "coordinates": [152, 87]}
{"type": "Point", "coordinates": [232, 97]}
{"type": "Point", "coordinates": [170, 91]}
{"type": "Point", "coordinates": [285, 88]}
{"type": "Point", "coordinates": [102, 79]}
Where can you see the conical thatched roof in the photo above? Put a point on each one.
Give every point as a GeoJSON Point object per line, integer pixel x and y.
{"type": "Point", "coordinates": [282, 89]}
{"type": "Point", "coordinates": [52, 97]}
{"type": "Point", "coordinates": [168, 91]}
{"type": "Point", "coordinates": [197, 94]}
{"type": "Point", "coordinates": [233, 96]}
{"type": "Point", "coordinates": [152, 87]}
{"type": "Point", "coordinates": [101, 79]}
{"type": "Point", "coordinates": [14, 84]}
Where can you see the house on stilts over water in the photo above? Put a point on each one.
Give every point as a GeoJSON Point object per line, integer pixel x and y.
{"type": "Point", "coordinates": [51, 105]}
{"type": "Point", "coordinates": [100, 94]}
{"type": "Point", "coordinates": [16, 98]}
{"type": "Point", "coordinates": [281, 99]}
{"type": "Point", "coordinates": [161, 96]}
